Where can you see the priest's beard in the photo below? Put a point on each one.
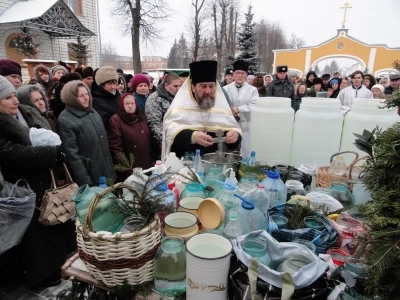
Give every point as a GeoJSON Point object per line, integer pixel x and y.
{"type": "Point", "coordinates": [205, 102]}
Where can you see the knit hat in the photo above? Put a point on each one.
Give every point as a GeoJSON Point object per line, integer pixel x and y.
{"type": "Point", "coordinates": [333, 81]}
{"type": "Point", "coordinates": [138, 79]}
{"type": "Point", "coordinates": [105, 74]}
{"type": "Point", "coordinates": [69, 95]}
{"type": "Point", "coordinates": [379, 86]}
{"type": "Point", "coordinates": [6, 88]}
{"type": "Point", "coordinates": [292, 73]}
{"type": "Point", "coordinates": [57, 68]}
{"type": "Point", "coordinates": [87, 72]}
{"type": "Point", "coordinates": [9, 67]}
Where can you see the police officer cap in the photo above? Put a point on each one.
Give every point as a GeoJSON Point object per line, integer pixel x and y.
{"type": "Point", "coordinates": [280, 69]}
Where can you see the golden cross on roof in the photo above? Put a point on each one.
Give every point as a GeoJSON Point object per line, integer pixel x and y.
{"type": "Point", "coordinates": [345, 7]}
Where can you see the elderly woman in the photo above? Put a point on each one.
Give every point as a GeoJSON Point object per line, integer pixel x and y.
{"type": "Point", "coordinates": [128, 133]}
{"type": "Point", "coordinates": [84, 136]}
{"type": "Point", "coordinates": [378, 91]}
{"type": "Point", "coordinates": [43, 250]}
{"type": "Point", "coordinates": [34, 96]}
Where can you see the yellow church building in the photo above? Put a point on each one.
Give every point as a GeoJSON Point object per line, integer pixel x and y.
{"type": "Point", "coordinates": [375, 58]}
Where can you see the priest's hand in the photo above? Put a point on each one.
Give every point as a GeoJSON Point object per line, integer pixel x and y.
{"type": "Point", "coordinates": [203, 139]}
{"type": "Point", "coordinates": [231, 137]}
{"type": "Point", "coordinates": [235, 111]}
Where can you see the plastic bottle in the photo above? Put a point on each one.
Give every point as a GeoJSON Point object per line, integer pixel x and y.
{"type": "Point", "coordinates": [173, 163]}
{"type": "Point", "coordinates": [102, 182]}
{"type": "Point", "coordinates": [338, 166]}
{"type": "Point", "coordinates": [252, 159]}
{"type": "Point", "coordinates": [227, 198]}
{"type": "Point", "coordinates": [233, 228]}
{"type": "Point", "coordinates": [168, 198]}
{"type": "Point", "coordinates": [198, 165]}
{"type": "Point", "coordinates": [276, 189]}
{"type": "Point", "coordinates": [171, 187]}
{"type": "Point", "coordinates": [232, 178]}
{"type": "Point", "coordinates": [260, 197]}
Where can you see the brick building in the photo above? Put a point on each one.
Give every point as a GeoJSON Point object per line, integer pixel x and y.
{"type": "Point", "coordinates": [54, 24]}
{"type": "Point", "coordinates": [153, 62]}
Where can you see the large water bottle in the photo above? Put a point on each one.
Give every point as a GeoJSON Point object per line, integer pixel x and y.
{"type": "Point", "coordinates": [198, 165]}
{"type": "Point", "coordinates": [275, 188]}
{"type": "Point", "coordinates": [173, 163]}
{"type": "Point", "coordinates": [168, 198]}
{"type": "Point", "coordinates": [233, 228]}
{"type": "Point", "coordinates": [227, 198]}
{"type": "Point", "coordinates": [252, 159]}
{"type": "Point", "coordinates": [260, 197]}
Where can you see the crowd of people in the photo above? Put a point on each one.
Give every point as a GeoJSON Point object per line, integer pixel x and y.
{"type": "Point", "coordinates": [103, 116]}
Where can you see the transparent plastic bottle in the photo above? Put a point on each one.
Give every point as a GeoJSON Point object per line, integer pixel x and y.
{"type": "Point", "coordinates": [227, 198]}
{"type": "Point", "coordinates": [276, 189]}
{"type": "Point", "coordinates": [338, 166]}
{"type": "Point", "coordinates": [173, 163]}
{"type": "Point", "coordinates": [198, 165]}
{"type": "Point", "coordinates": [252, 159]}
{"type": "Point", "coordinates": [102, 182]}
{"type": "Point", "coordinates": [233, 228]}
{"type": "Point", "coordinates": [260, 197]}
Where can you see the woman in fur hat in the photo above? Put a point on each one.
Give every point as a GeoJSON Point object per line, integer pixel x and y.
{"type": "Point", "coordinates": [34, 96]}
{"type": "Point", "coordinates": [83, 136]}
{"type": "Point", "coordinates": [128, 133]}
{"type": "Point", "coordinates": [140, 84]}
{"type": "Point", "coordinates": [43, 249]}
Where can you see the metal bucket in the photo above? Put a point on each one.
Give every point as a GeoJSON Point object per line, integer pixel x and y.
{"type": "Point", "coordinates": [222, 160]}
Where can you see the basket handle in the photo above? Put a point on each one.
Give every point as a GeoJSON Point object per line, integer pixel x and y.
{"type": "Point", "coordinates": [88, 225]}
{"type": "Point", "coordinates": [354, 163]}
{"type": "Point", "coordinates": [345, 152]}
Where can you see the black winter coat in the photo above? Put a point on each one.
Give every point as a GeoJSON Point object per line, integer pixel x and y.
{"type": "Point", "coordinates": [105, 103]}
{"type": "Point", "coordinates": [43, 250]}
{"type": "Point", "coordinates": [278, 88]}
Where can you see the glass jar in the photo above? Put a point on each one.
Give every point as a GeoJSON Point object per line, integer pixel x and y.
{"type": "Point", "coordinates": [280, 221]}
{"type": "Point", "coordinates": [170, 267]}
{"type": "Point", "coordinates": [193, 189]}
{"type": "Point", "coordinates": [250, 178]}
{"type": "Point", "coordinates": [314, 222]}
{"type": "Point", "coordinates": [257, 248]}
{"type": "Point", "coordinates": [133, 223]}
{"type": "Point", "coordinates": [306, 243]}
{"type": "Point", "coordinates": [294, 263]}
{"type": "Point", "coordinates": [352, 273]}
{"type": "Point", "coordinates": [341, 193]}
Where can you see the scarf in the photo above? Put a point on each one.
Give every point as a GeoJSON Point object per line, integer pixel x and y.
{"type": "Point", "coordinates": [129, 118]}
{"type": "Point", "coordinates": [140, 100]}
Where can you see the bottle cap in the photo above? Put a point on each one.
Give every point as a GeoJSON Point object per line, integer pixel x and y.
{"type": "Point", "coordinates": [261, 186]}
{"type": "Point", "coordinates": [171, 185]}
{"type": "Point", "coordinates": [197, 151]}
{"type": "Point", "coordinates": [274, 174]}
{"type": "Point", "coordinates": [253, 153]}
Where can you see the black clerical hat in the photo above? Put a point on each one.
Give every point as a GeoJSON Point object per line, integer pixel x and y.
{"type": "Point", "coordinates": [240, 65]}
{"type": "Point", "coordinates": [203, 71]}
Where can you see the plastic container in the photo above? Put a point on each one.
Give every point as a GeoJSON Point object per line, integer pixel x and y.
{"type": "Point", "coordinates": [233, 228]}
{"type": "Point", "coordinates": [198, 165]}
{"type": "Point", "coordinates": [364, 114]}
{"type": "Point", "coordinates": [257, 248]}
{"type": "Point", "coordinates": [250, 178]}
{"type": "Point", "coordinates": [271, 133]}
{"type": "Point", "coordinates": [317, 131]}
{"type": "Point", "coordinates": [260, 198]}
{"type": "Point", "coordinates": [338, 166]}
{"type": "Point", "coordinates": [227, 198]}
{"type": "Point", "coordinates": [276, 189]}
{"type": "Point", "coordinates": [173, 163]}
{"type": "Point", "coordinates": [340, 192]}
{"type": "Point", "coordinates": [171, 187]}
{"type": "Point", "coordinates": [252, 159]}
{"type": "Point", "coordinates": [168, 197]}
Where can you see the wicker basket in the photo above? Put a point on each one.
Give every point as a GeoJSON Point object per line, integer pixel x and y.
{"type": "Point", "coordinates": [118, 258]}
{"type": "Point", "coordinates": [325, 179]}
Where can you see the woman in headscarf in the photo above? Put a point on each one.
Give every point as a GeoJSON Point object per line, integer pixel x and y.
{"type": "Point", "coordinates": [43, 249]}
{"type": "Point", "coordinates": [43, 76]}
{"type": "Point", "coordinates": [334, 88]}
{"type": "Point", "coordinates": [84, 136]}
{"type": "Point", "coordinates": [301, 93]}
{"type": "Point", "coordinates": [121, 84]}
{"type": "Point", "coordinates": [128, 134]}
{"type": "Point", "coordinates": [34, 96]}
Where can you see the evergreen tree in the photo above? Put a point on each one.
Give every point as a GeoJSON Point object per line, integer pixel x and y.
{"type": "Point", "coordinates": [183, 53]}
{"type": "Point", "coordinates": [173, 61]}
{"type": "Point", "coordinates": [317, 70]}
{"type": "Point", "coordinates": [247, 42]}
{"type": "Point", "coordinates": [79, 51]}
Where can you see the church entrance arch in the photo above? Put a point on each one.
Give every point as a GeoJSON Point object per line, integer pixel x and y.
{"type": "Point", "coordinates": [340, 56]}
{"type": "Point", "coordinates": [11, 52]}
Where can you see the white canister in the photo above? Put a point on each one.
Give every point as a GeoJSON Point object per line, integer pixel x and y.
{"type": "Point", "coordinates": [207, 265]}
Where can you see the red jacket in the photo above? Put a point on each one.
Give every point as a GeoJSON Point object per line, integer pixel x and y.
{"type": "Point", "coordinates": [129, 135]}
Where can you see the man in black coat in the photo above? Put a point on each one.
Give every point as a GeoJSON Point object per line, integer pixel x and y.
{"type": "Point", "coordinates": [281, 86]}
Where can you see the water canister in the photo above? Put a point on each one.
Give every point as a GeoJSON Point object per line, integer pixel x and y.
{"type": "Point", "coordinates": [364, 114]}
{"type": "Point", "coordinates": [271, 131]}
{"type": "Point", "coordinates": [317, 132]}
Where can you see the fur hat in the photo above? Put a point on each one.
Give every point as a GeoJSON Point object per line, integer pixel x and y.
{"type": "Point", "coordinates": [105, 74]}
{"type": "Point", "coordinates": [379, 86]}
{"type": "Point", "coordinates": [9, 67]}
{"type": "Point", "coordinates": [138, 79]}
{"type": "Point", "coordinates": [317, 80]}
{"type": "Point", "coordinates": [69, 77]}
{"type": "Point", "coordinates": [280, 69]}
{"type": "Point", "coordinates": [24, 95]}
{"type": "Point", "coordinates": [228, 71]}
{"type": "Point", "coordinates": [6, 88]}
{"type": "Point", "coordinates": [87, 72]}
{"type": "Point", "coordinates": [292, 73]}
{"type": "Point", "coordinates": [69, 95]}
{"type": "Point", "coordinates": [58, 68]}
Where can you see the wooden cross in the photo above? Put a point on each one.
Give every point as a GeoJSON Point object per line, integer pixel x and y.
{"type": "Point", "coordinates": [220, 139]}
{"type": "Point", "coordinates": [345, 7]}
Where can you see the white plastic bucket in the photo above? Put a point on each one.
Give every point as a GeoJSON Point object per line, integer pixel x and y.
{"type": "Point", "coordinates": [207, 265]}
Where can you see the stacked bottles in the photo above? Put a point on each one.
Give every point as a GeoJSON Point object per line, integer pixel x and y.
{"type": "Point", "coordinates": [198, 165]}
{"type": "Point", "coordinates": [233, 228]}
{"type": "Point", "coordinates": [260, 197]}
{"type": "Point", "coordinates": [276, 189]}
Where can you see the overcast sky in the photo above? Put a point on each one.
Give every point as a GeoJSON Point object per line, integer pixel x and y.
{"type": "Point", "coordinates": [371, 21]}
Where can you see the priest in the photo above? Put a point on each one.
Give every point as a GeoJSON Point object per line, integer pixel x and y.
{"type": "Point", "coordinates": [198, 112]}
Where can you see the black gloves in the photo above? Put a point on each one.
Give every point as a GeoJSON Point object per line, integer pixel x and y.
{"type": "Point", "coordinates": [60, 155]}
